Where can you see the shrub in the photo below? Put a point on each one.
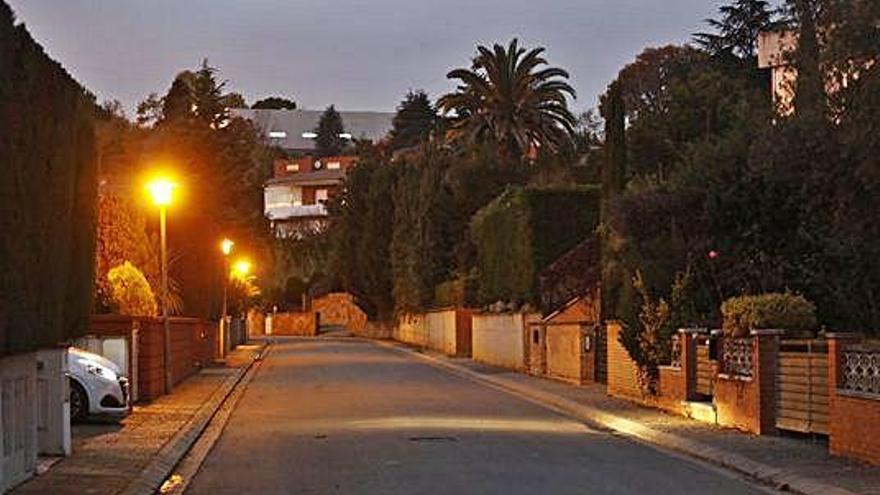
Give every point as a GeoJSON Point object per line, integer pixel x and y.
{"type": "Point", "coordinates": [130, 292]}
{"type": "Point", "coordinates": [524, 230]}
{"type": "Point", "coordinates": [767, 311]}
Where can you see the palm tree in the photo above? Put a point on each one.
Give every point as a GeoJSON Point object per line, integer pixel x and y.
{"type": "Point", "coordinates": [507, 99]}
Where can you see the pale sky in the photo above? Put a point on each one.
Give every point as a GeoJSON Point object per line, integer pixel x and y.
{"type": "Point", "coordinates": [356, 54]}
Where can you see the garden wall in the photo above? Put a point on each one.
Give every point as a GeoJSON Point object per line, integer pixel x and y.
{"type": "Point", "coordinates": [498, 339]}
{"type": "Point", "coordinates": [854, 398]}
{"type": "Point", "coordinates": [302, 324]}
{"type": "Point", "coordinates": [339, 309]}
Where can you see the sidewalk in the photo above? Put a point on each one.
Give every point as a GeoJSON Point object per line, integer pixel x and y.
{"type": "Point", "coordinates": [800, 465]}
{"type": "Point", "coordinates": [109, 458]}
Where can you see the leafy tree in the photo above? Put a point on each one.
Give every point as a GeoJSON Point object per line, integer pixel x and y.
{"type": "Point", "coordinates": [130, 292]}
{"type": "Point", "coordinates": [235, 100]}
{"type": "Point", "coordinates": [507, 98]}
{"type": "Point", "coordinates": [737, 29]}
{"type": "Point", "coordinates": [360, 233]}
{"type": "Point", "coordinates": [414, 121]}
{"type": "Point", "coordinates": [275, 103]}
{"type": "Point", "coordinates": [329, 141]}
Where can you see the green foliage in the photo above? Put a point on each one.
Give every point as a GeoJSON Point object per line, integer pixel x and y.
{"type": "Point", "coordinates": [361, 231]}
{"type": "Point", "coordinates": [507, 98]}
{"type": "Point", "coordinates": [648, 340]}
{"type": "Point", "coordinates": [130, 293]}
{"type": "Point", "coordinates": [330, 126]}
{"type": "Point", "coordinates": [414, 121]}
{"type": "Point", "coordinates": [523, 231]}
{"type": "Point", "coordinates": [275, 103]}
{"type": "Point", "coordinates": [47, 189]}
{"type": "Point", "coordinates": [422, 244]}
{"type": "Point", "coordinates": [736, 32]}
{"type": "Point", "coordinates": [774, 311]}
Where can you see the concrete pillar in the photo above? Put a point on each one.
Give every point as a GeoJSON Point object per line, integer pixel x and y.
{"type": "Point", "coordinates": [53, 402]}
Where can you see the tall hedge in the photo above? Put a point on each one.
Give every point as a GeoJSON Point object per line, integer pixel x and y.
{"type": "Point", "coordinates": [523, 231]}
{"type": "Point", "coordinates": [47, 196]}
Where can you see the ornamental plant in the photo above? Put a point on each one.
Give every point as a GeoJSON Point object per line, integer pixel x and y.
{"type": "Point", "coordinates": [776, 310]}
{"type": "Point", "coordinates": [130, 292]}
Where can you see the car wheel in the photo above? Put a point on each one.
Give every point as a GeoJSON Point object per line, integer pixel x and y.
{"type": "Point", "coordinates": [79, 402]}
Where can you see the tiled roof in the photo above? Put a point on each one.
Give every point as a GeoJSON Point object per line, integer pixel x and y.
{"type": "Point", "coordinates": [317, 176]}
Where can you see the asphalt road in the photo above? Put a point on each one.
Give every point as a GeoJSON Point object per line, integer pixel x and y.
{"type": "Point", "coordinates": [333, 416]}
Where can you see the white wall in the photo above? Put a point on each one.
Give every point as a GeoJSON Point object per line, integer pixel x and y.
{"type": "Point", "coordinates": [498, 339]}
{"type": "Point", "coordinates": [53, 402]}
{"type": "Point", "coordinates": [441, 331]}
{"type": "Point", "coordinates": [18, 419]}
{"type": "Point", "coordinates": [411, 329]}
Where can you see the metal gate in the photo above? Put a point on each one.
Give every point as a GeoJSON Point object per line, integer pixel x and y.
{"type": "Point", "coordinates": [601, 343]}
{"type": "Point", "coordinates": [802, 386]}
{"type": "Point", "coordinates": [707, 366]}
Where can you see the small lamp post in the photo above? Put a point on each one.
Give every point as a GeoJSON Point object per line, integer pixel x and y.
{"type": "Point", "coordinates": [162, 192]}
{"type": "Point", "coordinates": [226, 248]}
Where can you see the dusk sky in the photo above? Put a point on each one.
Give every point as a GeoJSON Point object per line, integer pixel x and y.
{"type": "Point", "coordinates": [356, 54]}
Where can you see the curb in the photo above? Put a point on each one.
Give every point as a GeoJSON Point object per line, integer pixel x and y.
{"type": "Point", "coordinates": [775, 477]}
{"type": "Point", "coordinates": [163, 463]}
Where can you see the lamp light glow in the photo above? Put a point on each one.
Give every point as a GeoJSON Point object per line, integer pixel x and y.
{"type": "Point", "coordinates": [161, 191]}
{"type": "Point", "coordinates": [226, 246]}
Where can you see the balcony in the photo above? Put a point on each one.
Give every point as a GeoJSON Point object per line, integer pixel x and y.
{"type": "Point", "coordinates": [285, 211]}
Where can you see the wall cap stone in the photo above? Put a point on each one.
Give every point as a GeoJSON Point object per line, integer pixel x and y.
{"type": "Point", "coordinates": [693, 330]}
{"type": "Point", "coordinates": [842, 336]}
{"type": "Point", "coordinates": [768, 332]}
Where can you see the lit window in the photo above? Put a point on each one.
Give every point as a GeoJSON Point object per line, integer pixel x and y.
{"type": "Point", "coordinates": [277, 134]}
{"type": "Point", "coordinates": [320, 195]}
{"type": "Point", "coordinates": [293, 167]}
{"type": "Point", "coordinates": [345, 135]}
{"type": "Point", "coordinates": [309, 135]}
{"type": "Point", "coordinates": [333, 165]}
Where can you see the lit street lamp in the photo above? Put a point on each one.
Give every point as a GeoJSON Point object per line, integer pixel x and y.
{"type": "Point", "coordinates": [162, 190]}
{"type": "Point", "coordinates": [226, 248]}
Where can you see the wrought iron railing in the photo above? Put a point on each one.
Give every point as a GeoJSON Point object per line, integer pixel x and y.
{"type": "Point", "coordinates": [736, 357]}
{"type": "Point", "coordinates": [675, 355]}
{"type": "Point", "coordinates": [860, 370]}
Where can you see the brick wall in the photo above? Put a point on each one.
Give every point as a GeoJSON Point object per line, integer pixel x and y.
{"type": "Point", "coordinates": [854, 420]}
{"type": "Point", "coordinates": [749, 404]}
{"type": "Point", "coordinates": [303, 324]}
{"type": "Point", "coordinates": [338, 308]}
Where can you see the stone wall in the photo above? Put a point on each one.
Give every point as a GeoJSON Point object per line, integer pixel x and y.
{"type": "Point", "coordinates": [339, 309]}
{"type": "Point", "coordinates": [303, 324]}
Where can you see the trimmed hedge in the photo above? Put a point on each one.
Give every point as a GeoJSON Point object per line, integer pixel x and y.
{"type": "Point", "coordinates": [523, 231]}
{"type": "Point", "coordinates": [768, 311]}
{"type": "Point", "coordinates": [48, 191]}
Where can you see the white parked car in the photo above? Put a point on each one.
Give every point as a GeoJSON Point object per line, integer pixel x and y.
{"type": "Point", "coordinates": [97, 386]}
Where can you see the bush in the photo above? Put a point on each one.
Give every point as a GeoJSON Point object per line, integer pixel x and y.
{"type": "Point", "coordinates": [524, 230]}
{"type": "Point", "coordinates": [767, 311]}
{"type": "Point", "coordinates": [131, 293]}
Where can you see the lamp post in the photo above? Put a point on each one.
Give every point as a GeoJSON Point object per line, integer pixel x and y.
{"type": "Point", "coordinates": [226, 248]}
{"type": "Point", "coordinates": [162, 191]}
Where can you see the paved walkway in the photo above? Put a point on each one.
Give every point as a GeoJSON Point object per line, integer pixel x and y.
{"type": "Point", "coordinates": [108, 456]}
{"type": "Point", "coordinates": [799, 456]}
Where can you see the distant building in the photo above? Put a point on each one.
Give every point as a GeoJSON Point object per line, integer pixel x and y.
{"type": "Point", "coordinates": [775, 49]}
{"type": "Point", "coordinates": [294, 130]}
{"type": "Point", "coordinates": [295, 196]}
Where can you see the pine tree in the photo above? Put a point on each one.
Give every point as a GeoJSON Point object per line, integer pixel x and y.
{"type": "Point", "coordinates": [416, 117]}
{"type": "Point", "coordinates": [329, 141]}
{"type": "Point", "coordinates": [736, 32]}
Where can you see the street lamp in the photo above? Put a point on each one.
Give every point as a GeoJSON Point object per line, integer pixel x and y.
{"type": "Point", "coordinates": [226, 247]}
{"type": "Point", "coordinates": [162, 191]}
{"type": "Point", "coordinates": [242, 268]}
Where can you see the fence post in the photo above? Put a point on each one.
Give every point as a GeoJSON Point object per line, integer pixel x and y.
{"type": "Point", "coordinates": [765, 363]}
{"type": "Point", "coordinates": [689, 360]}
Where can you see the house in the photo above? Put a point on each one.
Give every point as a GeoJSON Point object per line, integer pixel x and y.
{"type": "Point", "coordinates": [294, 130]}
{"type": "Point", "coordinates": [295, 196]}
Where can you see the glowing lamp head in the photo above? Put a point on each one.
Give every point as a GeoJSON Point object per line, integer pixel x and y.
{"type": "Point", "coordinates": [226, 246]}
{"type": "Point", "coordinates": [242, 268]}
{"type": "Point", "coordinates": [161, 191]}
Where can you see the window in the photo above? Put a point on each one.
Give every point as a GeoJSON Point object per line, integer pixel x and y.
{"type": "Point", "coordinates": [333, 165]}
{"type": "Point", "coordinates": [277, 134]}
{"type": "Point", "coordinates": [309, 135]}
{"type": "Point", "coordinates": [292, 167]}
{"type": "Point", "coordinates": [320, 195]}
